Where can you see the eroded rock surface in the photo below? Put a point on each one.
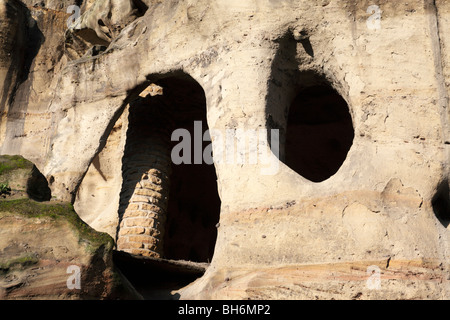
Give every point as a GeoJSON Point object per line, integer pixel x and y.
{"type": "Point", "coordinates": [14, 19]}
{"type": "Point", "coordinates": [46, 250]}
{"type": "Point", "coordinates": [280, 235]}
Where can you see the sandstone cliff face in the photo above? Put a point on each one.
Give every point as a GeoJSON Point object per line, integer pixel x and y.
{"type": "Point", "coordinates": [14, 19]}
{"type": "Point", "coordinates": [39, 251]}
{"type": "Point", "coordinates": [308, 230]}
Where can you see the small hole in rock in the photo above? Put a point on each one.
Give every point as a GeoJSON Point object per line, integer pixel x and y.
{"type": "Point", "coordinates": [441, 203]}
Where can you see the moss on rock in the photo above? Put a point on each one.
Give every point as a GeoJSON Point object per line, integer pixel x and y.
{"type": "Point", "coordinates": [10, 163]}
{"type": "Point", "coordinates": [17, 263]}
{"type": "Point", "coordinates": [55, 211]}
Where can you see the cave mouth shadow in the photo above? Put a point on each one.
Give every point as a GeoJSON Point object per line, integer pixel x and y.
{"type": "Point", "coordinates": [37, 187]}
{"type": "Point", "coordinates": [319, 133]}
{"type": "Point", "coordinates": [314, 120]}
{"type": "Point", "coordinates": [157, 279]}
{"type": "Point", "coordinates": [441, 203]}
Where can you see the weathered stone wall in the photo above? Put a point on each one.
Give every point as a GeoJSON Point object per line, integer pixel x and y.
{"type": "Point", "coordinates": [251, 59]}
{"type": "Point", "coordinates": [97, 199]}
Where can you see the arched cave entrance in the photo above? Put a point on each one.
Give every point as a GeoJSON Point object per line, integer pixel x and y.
{"type": "Point", "coordinates": [194, 203]}
{"type": "Point", "coordinates": [319, 132]}
{"type": "Point", "coordinates": [168, 213]}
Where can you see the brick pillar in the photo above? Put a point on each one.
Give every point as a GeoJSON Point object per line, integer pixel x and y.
{"type": "Point", "coordinates": [146, 172]}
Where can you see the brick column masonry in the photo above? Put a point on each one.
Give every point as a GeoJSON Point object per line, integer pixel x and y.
{"type": "Point", "coordinates": [146, 172]}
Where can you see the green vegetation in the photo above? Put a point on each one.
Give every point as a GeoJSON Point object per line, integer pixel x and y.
{"type": "Point", "coordinates": [4, 188]}
{"type": "Point", "coordinates": [19, 263]}
{"type": "Point", "coordinates": [9, 163]}
{"type": "Point", "coordinates": [55, 211]}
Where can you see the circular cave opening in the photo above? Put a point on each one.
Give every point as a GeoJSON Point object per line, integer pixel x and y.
{"type": "Point", "coordinates": [319, 133]}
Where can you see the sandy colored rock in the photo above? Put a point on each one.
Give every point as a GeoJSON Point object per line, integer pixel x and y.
{"type": "Point", "coordinates": [280, 235]}
{"type": "Point", "coordinates": [44, 248]}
